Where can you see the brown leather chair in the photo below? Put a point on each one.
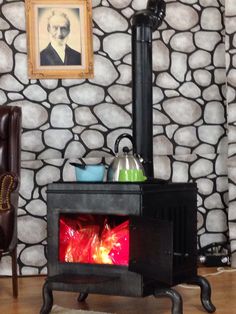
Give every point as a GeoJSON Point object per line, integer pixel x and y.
{"type": "Point", "coordinates": [10, 161]}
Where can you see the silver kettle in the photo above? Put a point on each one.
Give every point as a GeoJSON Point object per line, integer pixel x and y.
{"type": "Point", "coordinates": [125, 161]}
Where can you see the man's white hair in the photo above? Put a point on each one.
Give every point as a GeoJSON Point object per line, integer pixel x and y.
{"type": "Point", "coordinates": [58, 13]}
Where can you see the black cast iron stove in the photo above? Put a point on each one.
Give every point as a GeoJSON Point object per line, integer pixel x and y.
{"type": "Point", "coordinates": [155, 221]}
{"type": "Point", "coordinates": [162, 240]}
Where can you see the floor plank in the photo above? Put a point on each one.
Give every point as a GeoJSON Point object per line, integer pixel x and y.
{"type": "Point", "coordinates": [30, 299]}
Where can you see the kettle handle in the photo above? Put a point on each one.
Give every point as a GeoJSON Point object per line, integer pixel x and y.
{"type": "Point", "coordinates": [119, 138]}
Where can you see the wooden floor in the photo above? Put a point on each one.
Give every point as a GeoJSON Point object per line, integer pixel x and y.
{"type": "Point", "coordinates": [30, 300]}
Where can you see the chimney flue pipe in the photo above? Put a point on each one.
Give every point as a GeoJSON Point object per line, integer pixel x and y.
{"type": "Point", "coordinates": [143, 24]}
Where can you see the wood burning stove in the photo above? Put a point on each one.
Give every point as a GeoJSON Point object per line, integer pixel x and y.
{"type": "Point", "coordinates": [161, 222]}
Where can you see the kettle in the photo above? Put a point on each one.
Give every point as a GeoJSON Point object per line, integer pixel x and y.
{"type": "Point", "coordinates": [125, 161]}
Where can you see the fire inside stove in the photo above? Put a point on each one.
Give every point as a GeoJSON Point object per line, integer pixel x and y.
{"type": "Point", "coordinates": [94, 239]}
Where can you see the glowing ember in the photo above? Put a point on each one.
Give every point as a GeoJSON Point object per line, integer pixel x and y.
{"type": "Point", "coordinates": [82, 240]}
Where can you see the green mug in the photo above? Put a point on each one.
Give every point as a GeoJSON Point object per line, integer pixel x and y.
{"type": "Point", "coordinates": [131, 175]}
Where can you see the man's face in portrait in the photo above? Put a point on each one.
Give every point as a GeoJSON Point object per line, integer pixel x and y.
{"type": "Point", "coordinates": [59, 29]}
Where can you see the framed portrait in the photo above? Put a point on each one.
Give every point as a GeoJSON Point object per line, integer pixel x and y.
{"type": "Point", "coordinates": [59, 38]}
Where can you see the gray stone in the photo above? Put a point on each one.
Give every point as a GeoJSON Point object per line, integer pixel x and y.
{"type": "Point", "coordinates": [190, 90]}
{"type": "Point", "coordinates": [220, 77]}
{"type": "Point", "coordinates": [87, 94]}
{"type": "Point", "coordinates": [6, 60]}
{"type": "Point", "coordinates": [201, 168]}
{"type": "Point", "coordinates": [200, 220]}
{"type": "Point", "coordinates": [125, 74]}
{"type": "Point", "coordinates": [157, 95]}
{"type": "Point", "coordinates": [104, 71]}
{"type": "Point", "coordinates": [15, 14]}
{"type": "Point", "coordinates": [182, 110]}
{"type": "Point", "coordinates": [27, 183]}
{"type": "Point", "coordinates": [212, 93]}
{"type": "Point", "coordinates": [33, 114]}
{"type": "Point", "coordinates": [75, 149]}
{"type": "Point", "coordinates": [35, 93]}
{"type": "Point", "coordinates": [93, 139]}
{"type": "Point", "coordinates": [109, 20]}
{"type": "Point", "coordinates": [162, 145]}
{"type": "Point", "coordinates": [186, 136]}
{"type": "Point", "coordinates": [180, 172]}
{"type": "Point", "coordinates": [96, 43]}
{"type": "Point", "coordinates": [210, 133]}
{"type": "Point", "coordinates": [214, 113]}
{"type": "Point", "coordinates": [9, 83]}
{"type": "Point", "coordinates": [47, 174]}
{"type": "Point", "coordinates": [21, 68]}
{"type": "Point", "coordinates": [3, 24]}
{"type": "Point", "coordinates": [160, 56]}
{"type": "Point", "coordinates": [62, 138]}
{"type": "Point", "coordinates": [174, 16]}
{"type": "Point", "coordinates": [165, 80]}
{"type": "Point", "coordinates": [160, 118]}
{"type": "Point", "coordinates": [20, 43]}
{"type": "Point", "coordinates": [207, 40]}
{"type": "Point", "coordinates": [231, 8]}
{"type": "Point", "coordinates": [202, 77]}
{"type": "Point", "coordinates": [84, 116]}
{"type": "Point", "coordinates": [10, 35]}
{"type": "Point", "coordinates": [49, 154]}
{"type": "Point", "coordinates": [166, 35]}
{"type": "Point", "coordinates": [3, 97]}
{"type": "Point", "coordinates": [128, 12]}
{"type": "Point", "coordinates": [216, 221]}
{"type": "Point", "coordinates": [211, 19]}
{"type": "Point", "coordinates": [34, 255]}
{"type": "Point", "coordinates": [117, 45]}
{"type": "Point", "coordinates": [162, 167]}
{"type": "Point", "coordinates": [31, 230]}
{"type": "Point", "coordinates": [204, 149]}
{"type": "Point", "coordinates": [120, 4]}
{"type": "Point", "coordinates": [59, 96]}
{"type": "Point", "coordinates": [221, 164]}
{"type": "Point", "coordinates": [37, 207]}
{"type": "Point", "coordinates": [222, 184]}
{"type": "Point", "coordinates": [205, 186]}
{"type": "Point", "coordinates": [231, 77]}
{"type": "Point", "coordinates": [179, 65]}
{"type": "Point", "coordinates": [121, 94]}
{"type": "Point", "coordinates": [32, 140]}
{"type": "Point", "coordinates": [219, 56]}
{"type": "Point", "coordinates": [49, 84]}
{"type": "Point", "coordinates": [112, 116]}
{"type": "Point", "coordinates": [199, 59]}
{"type": "Point", "coordinates": [61, 117]}
{"type": "Point", "coordinates": [182, 42]}
{"type": "Point", "coordinates": [213, 201]}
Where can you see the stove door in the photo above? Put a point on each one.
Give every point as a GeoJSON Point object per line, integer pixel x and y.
{"type": "Point", "coordinates": [151, 248]}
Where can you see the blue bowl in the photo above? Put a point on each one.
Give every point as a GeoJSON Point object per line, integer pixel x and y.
{"type": "Point", "coordinates": [90, 173]}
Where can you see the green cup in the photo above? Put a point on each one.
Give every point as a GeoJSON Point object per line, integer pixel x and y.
{"type": "Point", "coordinates": [131, 175]}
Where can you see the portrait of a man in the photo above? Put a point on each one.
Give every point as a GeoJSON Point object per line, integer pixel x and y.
{"type": "Point", "coordinates": [59, 39]}
{"type": "Point", "coordinates": [58, 52]}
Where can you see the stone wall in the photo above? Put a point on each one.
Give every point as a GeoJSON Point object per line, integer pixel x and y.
{"type": "Point", "coordinates": [64, 120]}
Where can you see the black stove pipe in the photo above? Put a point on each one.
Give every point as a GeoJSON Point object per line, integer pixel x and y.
{"type": "Point", "coordinates": [143, 24]}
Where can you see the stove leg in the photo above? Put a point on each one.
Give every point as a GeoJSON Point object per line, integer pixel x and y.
{"type": "Point", "coordinates": [82, 296]}
{"type": "Point", "coordinates": [47, 299]}
{"type": "Point", "coordinates": [177, 302]}
{"type": "Point", "coordinates": [205, 292]}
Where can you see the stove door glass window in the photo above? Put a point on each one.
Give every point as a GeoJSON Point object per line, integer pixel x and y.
{"type": "Point", "coordinates": [94, 239]}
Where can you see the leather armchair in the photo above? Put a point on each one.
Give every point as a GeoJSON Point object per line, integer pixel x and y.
{"type": "Point", "coordinates": [10, 163]}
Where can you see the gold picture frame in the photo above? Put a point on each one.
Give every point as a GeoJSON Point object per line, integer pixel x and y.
{"type": "Point", "coordinates": [59, 38]}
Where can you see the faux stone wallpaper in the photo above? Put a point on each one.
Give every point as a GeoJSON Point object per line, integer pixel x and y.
{"type": "Point", "coordinates": [64, 120]}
